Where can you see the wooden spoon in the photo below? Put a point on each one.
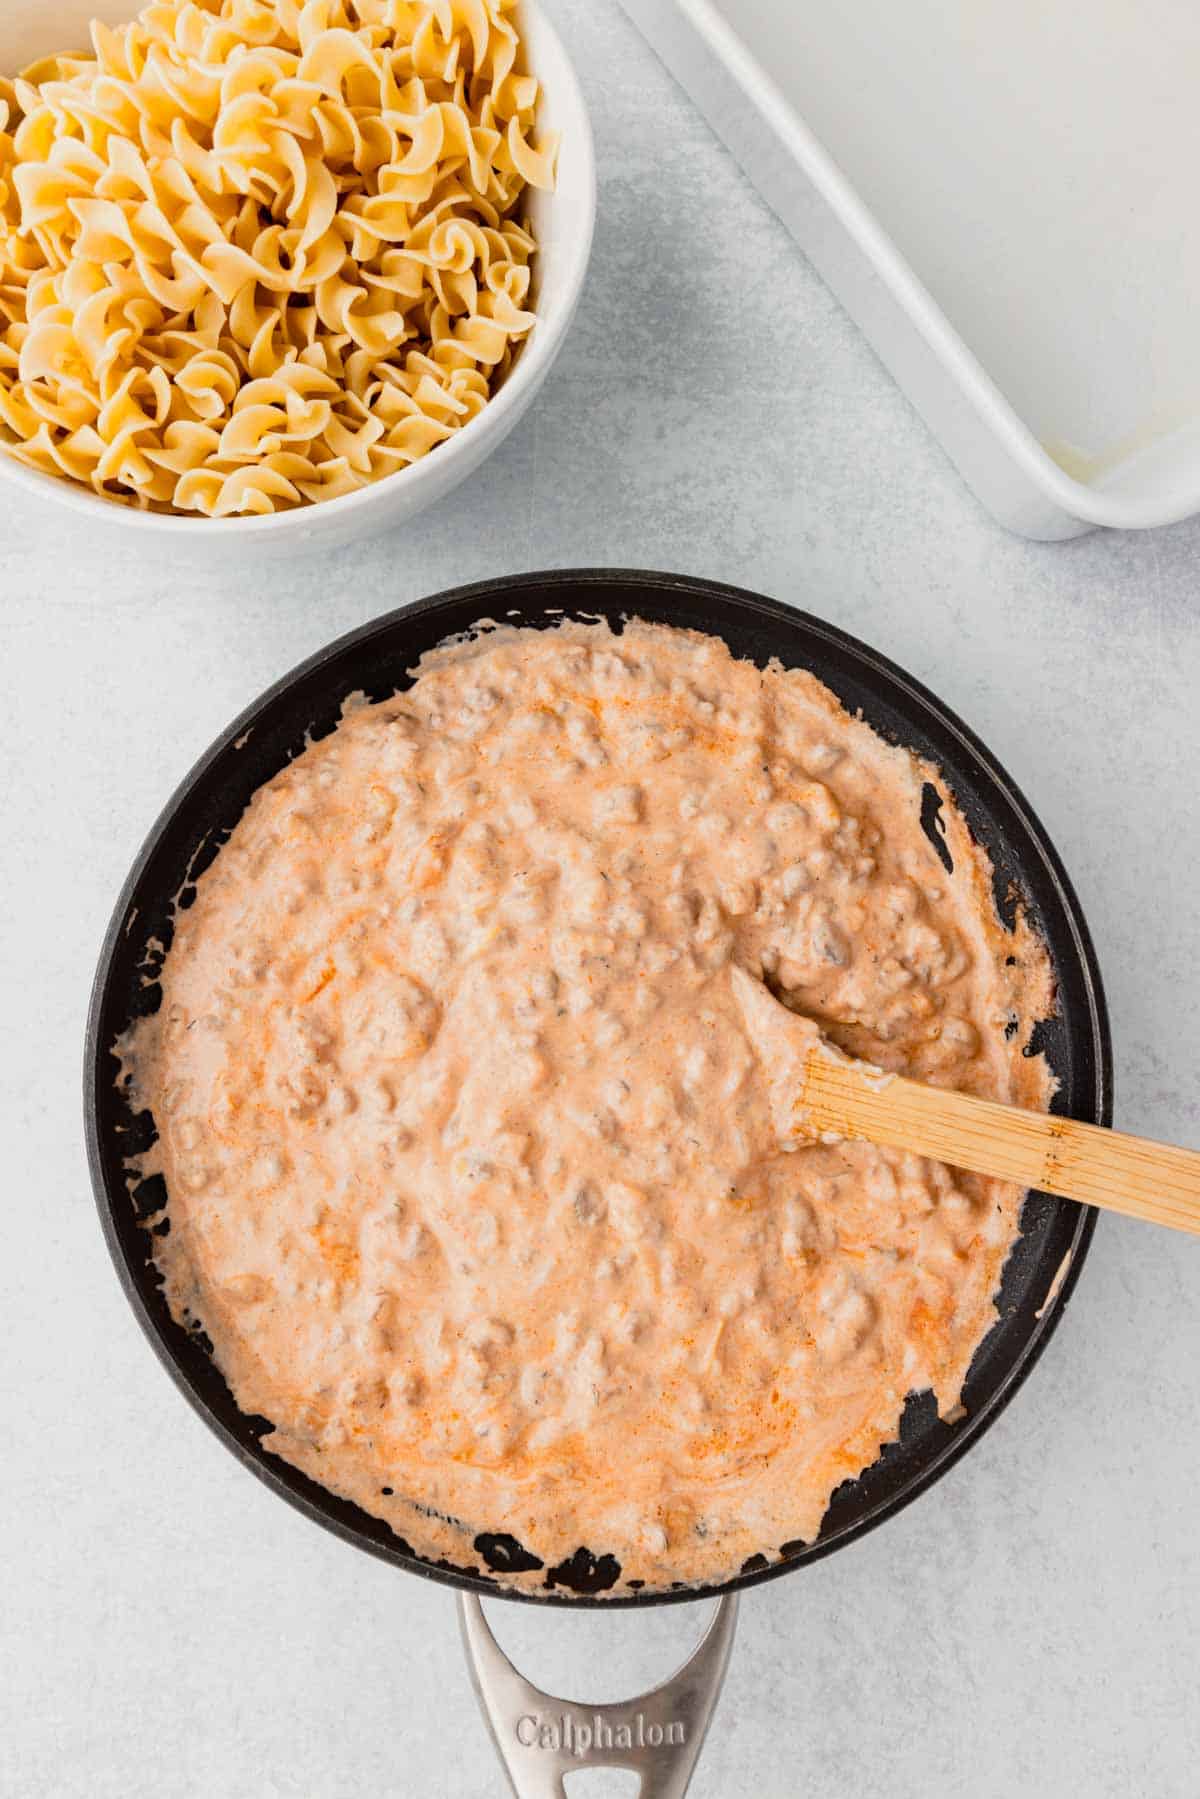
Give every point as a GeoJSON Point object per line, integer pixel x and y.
{"type": "Point", "coordinates": [819, 1094]}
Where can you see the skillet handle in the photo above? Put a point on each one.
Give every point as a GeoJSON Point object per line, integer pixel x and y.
{"type": "Point", "coordinates": [541, 1738]}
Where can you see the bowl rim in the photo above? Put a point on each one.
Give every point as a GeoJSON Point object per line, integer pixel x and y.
{"type": "Point", "coordinates": [567, 589]}
{"type": "Point", "coordinates": [537, 355]}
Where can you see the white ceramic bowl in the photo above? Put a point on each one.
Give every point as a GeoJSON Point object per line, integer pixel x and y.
{"type": "Point", "coordinates": [563, 222]}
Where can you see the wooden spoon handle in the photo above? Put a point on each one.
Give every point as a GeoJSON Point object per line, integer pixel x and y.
{"type": "Point", "coordinates": [1076, 1161]}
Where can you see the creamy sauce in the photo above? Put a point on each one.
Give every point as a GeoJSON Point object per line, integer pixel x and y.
{"type": "Point", "coordinates": [472, 1176]}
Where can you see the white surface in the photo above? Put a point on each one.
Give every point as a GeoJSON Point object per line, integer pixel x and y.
{"type": "Point", "coordinates": [1037, 165]}
{"type": "Point", "coordinates": [1001, 195]}
{"type": "Point", "coordinates": [562, 221]}
{"type": "Point", "coordinates": [1029, 1628]}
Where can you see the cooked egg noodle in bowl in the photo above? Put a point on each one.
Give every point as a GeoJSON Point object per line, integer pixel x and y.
{"type": "Point", "coordinates": [256, 254]}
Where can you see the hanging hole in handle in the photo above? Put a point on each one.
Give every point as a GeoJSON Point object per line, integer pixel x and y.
{"type": "Point", "coordinates": [595, 1656]}
{"type": "Point", "coordinates": [602, 1783]}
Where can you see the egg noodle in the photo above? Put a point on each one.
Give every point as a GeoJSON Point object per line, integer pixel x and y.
{"type": "Point", "coordinates": [255, 253]}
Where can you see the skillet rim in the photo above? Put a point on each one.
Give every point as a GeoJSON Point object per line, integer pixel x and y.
{"type": "Point", "coordinates": [570, 590]}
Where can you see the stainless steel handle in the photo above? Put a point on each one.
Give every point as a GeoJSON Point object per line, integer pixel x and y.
{"type": "Point", "coordinates": [541, 1738]}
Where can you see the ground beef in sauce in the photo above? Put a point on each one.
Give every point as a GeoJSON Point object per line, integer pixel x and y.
{"type": "Point", "coordinates": [472, 1182]}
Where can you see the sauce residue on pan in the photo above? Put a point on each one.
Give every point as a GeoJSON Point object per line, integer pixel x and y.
{"type": "Point", "coordinates": [471, 1175]}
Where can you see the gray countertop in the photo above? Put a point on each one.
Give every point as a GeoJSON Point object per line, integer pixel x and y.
{"type": "Point", "coordinates": [1029, 1627]}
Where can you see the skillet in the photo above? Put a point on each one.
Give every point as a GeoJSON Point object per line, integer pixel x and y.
{"type": "Point", "coordinates": [540, 1737]}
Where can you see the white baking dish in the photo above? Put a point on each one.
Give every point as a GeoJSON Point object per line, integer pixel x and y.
{"type": "Point", "coordinates": [1002, 193]}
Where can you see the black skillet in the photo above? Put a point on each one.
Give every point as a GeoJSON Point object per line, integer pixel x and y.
{"type": "Point", "coordinates": [1055, 1234]}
